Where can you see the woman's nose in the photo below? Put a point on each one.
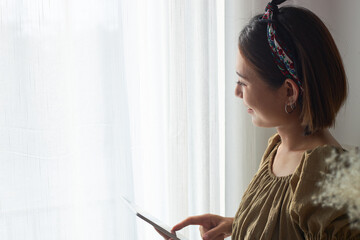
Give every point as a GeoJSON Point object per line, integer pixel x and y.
{"type": "Point", "coordinates": [238, 91]}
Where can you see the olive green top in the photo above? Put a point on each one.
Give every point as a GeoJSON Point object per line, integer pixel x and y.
{"type": "Point", "coordinates": [282, 207]}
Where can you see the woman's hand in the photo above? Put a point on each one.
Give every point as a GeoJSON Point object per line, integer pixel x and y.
{"type": "Point", "coordinates": [212, 227]}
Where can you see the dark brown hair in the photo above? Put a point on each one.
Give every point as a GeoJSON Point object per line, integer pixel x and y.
{"type": "Point", "coordinates": [317, 61]}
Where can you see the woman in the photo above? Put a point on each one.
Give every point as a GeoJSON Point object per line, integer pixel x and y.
{"type": "Point", "coordinates": [291, 77]}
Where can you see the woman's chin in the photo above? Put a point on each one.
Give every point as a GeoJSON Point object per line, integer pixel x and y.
{"type": "Point", "coordinates": [259, 122]}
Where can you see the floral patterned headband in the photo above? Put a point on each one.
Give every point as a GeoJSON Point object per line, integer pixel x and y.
{"type": "Point", "coordinates": [282, 55]}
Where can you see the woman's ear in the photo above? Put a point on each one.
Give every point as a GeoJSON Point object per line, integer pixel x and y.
{"type": "Point", "coordinates": [292, 90]}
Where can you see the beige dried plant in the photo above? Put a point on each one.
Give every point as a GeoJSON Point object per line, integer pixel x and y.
{"type": "Point", "coordinates": [340, 187]}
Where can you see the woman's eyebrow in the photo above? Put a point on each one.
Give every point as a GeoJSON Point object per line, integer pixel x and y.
{"type": "Point", "coordinates": [242, 76]}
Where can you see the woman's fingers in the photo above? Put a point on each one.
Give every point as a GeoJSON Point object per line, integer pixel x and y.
{"type": "Point", "coordinates": [215, 233]}
{"type": "Point", "coordinates": [212, 227]}
{"type": "Point", "coordinates": [202, 230]}
{"type": "Point", "coordinates": [193, 220]}
{"type": "Point", "coordinates": [220, 231]}
{"type": "Point", "coordinates": [222, 237]}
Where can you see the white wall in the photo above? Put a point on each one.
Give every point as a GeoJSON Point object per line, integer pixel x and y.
{"type": "Point", "coordinates": [345, 27]}
{"type": "Point", "coordinates": [242, 157]}
{"type": "Point", "coordinates": [343, 20]}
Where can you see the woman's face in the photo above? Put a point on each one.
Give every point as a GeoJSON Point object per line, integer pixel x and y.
{"type": "Point", "coordinates": [265, 105]}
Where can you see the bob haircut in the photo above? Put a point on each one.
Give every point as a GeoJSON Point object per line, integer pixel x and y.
{"type": "Point", "coordinates": [317, 62]}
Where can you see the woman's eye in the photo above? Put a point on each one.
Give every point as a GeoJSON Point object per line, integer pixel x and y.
{"type": "Point", "coordinates": [240, 83]}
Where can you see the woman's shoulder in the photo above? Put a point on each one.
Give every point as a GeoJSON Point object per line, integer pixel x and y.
{"type": "Point", "coordinates": [306, 184]}
{"type": "Point", "coordinates": [315, 162]}
{"type": "Point", "coordinates": [274, 139]}
{"type": "Point", "coordinates": [272, 143]}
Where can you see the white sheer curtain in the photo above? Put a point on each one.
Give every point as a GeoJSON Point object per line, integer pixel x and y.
{"type": "Point", "coordinates": [104, 98]}
{"type": "Point", "coordinates": [171, 55]}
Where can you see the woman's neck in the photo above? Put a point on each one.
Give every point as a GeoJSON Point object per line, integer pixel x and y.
{"type": "Point", "coordinates": [294, 139]}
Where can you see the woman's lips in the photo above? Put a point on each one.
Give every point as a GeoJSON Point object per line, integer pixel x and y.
{"type": "Point", "coordinates": [250, 110]}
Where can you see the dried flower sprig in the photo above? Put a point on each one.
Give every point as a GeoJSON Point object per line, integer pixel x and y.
{"type": "Point", "coordinates": [340, 187]}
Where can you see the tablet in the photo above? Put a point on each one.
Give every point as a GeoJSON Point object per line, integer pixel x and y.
{"type": "Point", "coordinates": [163, 228]}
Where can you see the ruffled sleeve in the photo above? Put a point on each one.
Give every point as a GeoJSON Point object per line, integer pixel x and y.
{"type": "Point", "coordinates": [315, 221]}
